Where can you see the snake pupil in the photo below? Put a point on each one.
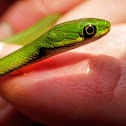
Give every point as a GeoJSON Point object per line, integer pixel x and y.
{"type": "Point", "coordinates": [90, 30]}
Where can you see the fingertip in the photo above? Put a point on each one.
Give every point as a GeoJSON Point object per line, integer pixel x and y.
{"type": "Point", "coordinates": [53, 92]}
{"type": "Point", "coordinates": [96, 8]}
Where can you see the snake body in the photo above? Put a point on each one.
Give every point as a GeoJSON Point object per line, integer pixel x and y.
{"type": "Point", "coordinates": [60, 38]}
{"type": "Point", "coordinates": [27, 36]}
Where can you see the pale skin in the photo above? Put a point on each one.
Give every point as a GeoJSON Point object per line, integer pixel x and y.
{"type": "Point", "coordinates": [86, 87]}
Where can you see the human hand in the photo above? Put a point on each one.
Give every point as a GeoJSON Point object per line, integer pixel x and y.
{"type": "Point", "coordinates": [79, 87]}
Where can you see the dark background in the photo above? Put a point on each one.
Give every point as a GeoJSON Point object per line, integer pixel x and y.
{"type": "Point", "coordinates": [4, 4]}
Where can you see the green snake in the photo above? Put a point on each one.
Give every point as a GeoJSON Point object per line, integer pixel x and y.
{"type": "Point", "coordinates": [60, 38]}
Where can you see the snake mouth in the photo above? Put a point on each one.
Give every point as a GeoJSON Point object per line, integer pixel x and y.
{"type": "Point", "coordinates": [68, 47]}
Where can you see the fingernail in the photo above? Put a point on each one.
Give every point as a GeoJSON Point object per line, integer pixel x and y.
{"type": "Point", "coordinates": [5, 30]}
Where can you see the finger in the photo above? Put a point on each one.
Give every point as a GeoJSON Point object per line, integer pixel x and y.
{"type": "Point", "coordinates": [79, 88]}
{"type": "Point", "coordinates": [24, 14]}
{"type": "Point", "coordinates": [113, 11]}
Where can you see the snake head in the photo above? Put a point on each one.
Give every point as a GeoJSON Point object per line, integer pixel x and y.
{"type": "Point", "coordinates": [93, 28]}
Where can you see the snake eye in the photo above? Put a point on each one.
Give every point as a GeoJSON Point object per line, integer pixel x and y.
{"type": "Point", "coordinates": [89, 31]}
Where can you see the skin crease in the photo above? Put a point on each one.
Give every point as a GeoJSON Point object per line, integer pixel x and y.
{"type": "Point", "coordinates": [85, 86]}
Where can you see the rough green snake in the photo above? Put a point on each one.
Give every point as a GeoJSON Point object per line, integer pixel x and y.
{"type": "Point", "coordinates": [60, 38]}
